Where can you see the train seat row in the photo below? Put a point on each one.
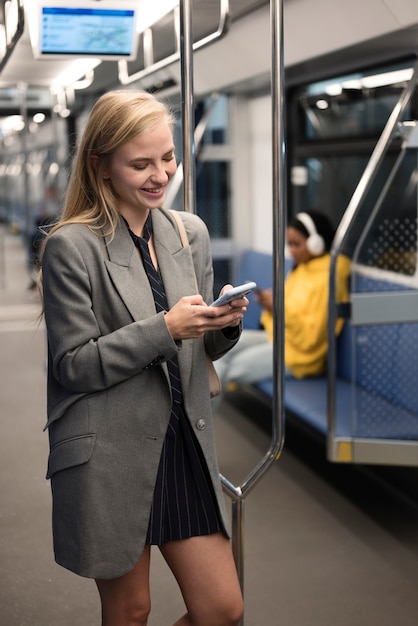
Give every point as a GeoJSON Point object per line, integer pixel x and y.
{"type": "Point", "coordinates": [375, 394]}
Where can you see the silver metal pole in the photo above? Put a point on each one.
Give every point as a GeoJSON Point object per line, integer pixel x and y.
{"type": "Point", "coordinates": [237, 493]}
{"type": "Point", "coordinates": [279, 219]}
{"type": "Point", "coordinates": [186, 57]}
{"type": "Point", "coordinates": [279, 205]}
{"type": "Point", "coordinates": [238, 538]}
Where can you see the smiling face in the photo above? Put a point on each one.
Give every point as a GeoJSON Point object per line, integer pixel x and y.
{"type": "Point", "coordinates": [139, 171]}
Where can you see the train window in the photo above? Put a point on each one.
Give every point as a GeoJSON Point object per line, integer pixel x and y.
{"type": "Point", "coordinates": [212, 195]}
{"type": "Point", "coordinates": [356, 105]}
{"type": "Point", "coordinates": [388, 240]}
{"type": "Point", "coordinates": [213, 167]}
{"type": "Point", "coordinates": [216, 128]}
{"type": "Point", "coordinates": [333, 129]}
{"type": "Point", "coordinates": [213, 182]}
{"type": "Point", "coordinates": [391, 242]}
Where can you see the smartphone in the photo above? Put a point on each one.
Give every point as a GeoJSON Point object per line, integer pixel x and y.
{"type": "Point", "coordinates": [234, 294]}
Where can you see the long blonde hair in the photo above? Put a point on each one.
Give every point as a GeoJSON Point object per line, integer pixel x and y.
{"type": "Point", "coordinates": [116, 118]}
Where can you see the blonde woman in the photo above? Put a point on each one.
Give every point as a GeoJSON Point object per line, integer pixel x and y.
{"type": "Point", "coordinates": [132, 455]}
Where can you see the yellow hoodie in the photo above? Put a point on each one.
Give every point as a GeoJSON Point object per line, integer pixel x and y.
{"type": "Point", "coordinates": [306, 314]}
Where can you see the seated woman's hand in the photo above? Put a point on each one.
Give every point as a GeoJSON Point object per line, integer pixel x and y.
{"type": "Point", "coordinates": [265, 298]}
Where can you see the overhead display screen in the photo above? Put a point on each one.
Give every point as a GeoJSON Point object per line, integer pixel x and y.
{"type": "Point", "coordinates": [82, 31]}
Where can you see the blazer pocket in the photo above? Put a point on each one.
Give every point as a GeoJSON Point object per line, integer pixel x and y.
{"type": "Point", "coordinates": [69, 453]}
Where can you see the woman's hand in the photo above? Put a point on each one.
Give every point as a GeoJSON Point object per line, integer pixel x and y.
{"type": "Point", "coordinates": [191, 317]}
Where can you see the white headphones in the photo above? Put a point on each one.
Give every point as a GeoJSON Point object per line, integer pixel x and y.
{"type": "Point", "coordinates": [315, 243]}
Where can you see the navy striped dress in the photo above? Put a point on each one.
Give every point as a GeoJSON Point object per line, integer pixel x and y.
{"type": "Point", "coordinates": [184, 503]}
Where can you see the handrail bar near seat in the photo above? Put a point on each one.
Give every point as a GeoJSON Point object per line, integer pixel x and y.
{"type": "Point", "coordinates": [238, 493]}
{"type": "Point", "coordinates": [340, 238]}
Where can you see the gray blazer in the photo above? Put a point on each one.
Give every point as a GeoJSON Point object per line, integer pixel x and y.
{"type": "Point", "coordinates": [109, 396]}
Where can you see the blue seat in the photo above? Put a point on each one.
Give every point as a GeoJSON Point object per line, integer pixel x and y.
{"type": "Point", "coordinates": [258, 267]}
{"type": "Point", "coordinates": [306, 400]}
{"type": "Point", "coordinates": [376, 370]}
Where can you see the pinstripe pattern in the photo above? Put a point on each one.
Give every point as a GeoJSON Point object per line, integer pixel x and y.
{"type": "Point", "coordinates": [160, 300]}
{"type": "Point", "coordinates": [184, 504]}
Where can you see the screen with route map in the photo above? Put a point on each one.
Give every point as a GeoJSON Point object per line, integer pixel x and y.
{"type": "Point", "coordinates": [87, 32]}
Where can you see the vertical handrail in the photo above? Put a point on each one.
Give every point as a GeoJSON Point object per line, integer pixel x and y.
{"type": "Point", "coordinates": [343, 231]}
{"type": "Point", "coordinates": [279, 219]}
{"type": "Point", "coordinates": [238, 493]}
{"type": "Point", "coordinates": [187, 109]}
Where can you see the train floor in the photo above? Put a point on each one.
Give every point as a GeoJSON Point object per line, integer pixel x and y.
{"type": "Point", "coordinates": [324, 545]}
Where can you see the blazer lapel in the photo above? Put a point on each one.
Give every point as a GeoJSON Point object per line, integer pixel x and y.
{"type": "Point", "coordinates": [177, 270]}
{"type": "Point", "coordinates": [131, 282]}
{"type": "Point", "coordinates": [175, 262]}
{"type": "Point", "coordinates": [127, 273]}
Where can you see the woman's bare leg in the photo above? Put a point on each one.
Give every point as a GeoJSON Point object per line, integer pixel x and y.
{"type": "Point", "coordinates": [126, 600]}
{"type": "Point", "coordinates": [205, 570]}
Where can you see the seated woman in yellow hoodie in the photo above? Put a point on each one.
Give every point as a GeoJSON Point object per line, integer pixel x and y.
{"type": "Point", "coordinates": [309, 237]}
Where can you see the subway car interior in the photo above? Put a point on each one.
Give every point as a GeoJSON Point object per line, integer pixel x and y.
{"type": "Point", "coordinates": [331, 523]}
